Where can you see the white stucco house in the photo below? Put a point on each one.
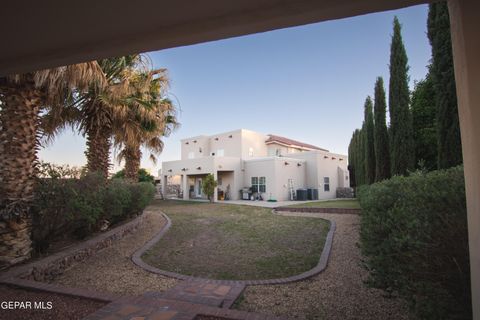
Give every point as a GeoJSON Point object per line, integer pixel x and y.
{"type": "Point", "coordinates": [270, 166]}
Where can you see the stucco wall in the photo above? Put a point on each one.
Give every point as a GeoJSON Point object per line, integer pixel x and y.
{"type": "Point", "coordinates": [254, 140]}
{"type": "Point", "coordinates": [322, 164]}
{"type": "Point", "coordinates": [229, 142]}
{"type": "Point", "coordinates": [199, 145]}
{"type": "Point", "coordinates": [285, 169]}
{"type": "Point", "coordinates": [261, 168]}
{"type": "Point", "coordinates": [276, 173]}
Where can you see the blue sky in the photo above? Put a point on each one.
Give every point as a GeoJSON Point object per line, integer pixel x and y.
{"type": "Point", "coordinates": [307, 83]}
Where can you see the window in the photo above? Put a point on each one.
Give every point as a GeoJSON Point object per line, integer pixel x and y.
{"type": "Point", "coordinates": [219, 180]}
{"type": "Point", "coordinates": [278, 152]}
{"type": "Point", "coordinates": [326, 184]}
{"type": "Point", "coordinates": [250, 152]}
{"type": "Point", "coordinates": [254, 184]}
{"type": "Point", "coordinates": [220, 153]}
{"type": "Point", "coordinates": [259, 184]}
{"type": "Point", "coordinates": [191, 155]}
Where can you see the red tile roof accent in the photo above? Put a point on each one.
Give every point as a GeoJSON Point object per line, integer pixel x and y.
{"type": "Point", "coordinates": [291, 143]}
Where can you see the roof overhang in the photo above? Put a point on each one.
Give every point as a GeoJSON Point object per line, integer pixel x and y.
{"type": "Point", "coordinates": [44, 34]}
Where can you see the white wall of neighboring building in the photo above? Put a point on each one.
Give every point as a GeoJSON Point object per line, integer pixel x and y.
{"type": "Point", "coordinates": [198, 146]}
{"type": "Point", "coordinates": [239, 155]}
{"type": "Point", "coordinates": [289, 168]}
{"type": "Point", "coordinates": [253, 141]}
{"type": "Point", "coordinates": [321, 164]}
{"type": "Point", "coordinates": [277, 171]}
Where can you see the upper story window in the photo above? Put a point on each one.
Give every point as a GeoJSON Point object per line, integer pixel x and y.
{"type": "Point", "coordinates": [220, 152]}
{"type": "Point", "coordinates": [250, 152]}
{"type": "Point", "coordinates": [326, 184]}
{"type": "Point", "coordinates": [191, 155]}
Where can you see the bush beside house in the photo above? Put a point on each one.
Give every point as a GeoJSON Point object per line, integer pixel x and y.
{"type": "Point", "coordinates": [208, 186]}
{"type": "Point", "coordinates": [73, 208]}
{"type": "Point", "coordinates": [415, 242]}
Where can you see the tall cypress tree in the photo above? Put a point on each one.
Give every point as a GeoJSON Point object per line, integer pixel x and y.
{"type": "Point", "coordinates": [401, 132]}
{"type": "Point", "coordinates": [360, 146]}
{"type": "Point", "coordinates": [382, 152]}
{"type": "Point", "coordinates": [368, 128]}
{"type": "Point", "coordinates": [424, 124]}
{"type": "Point", "coordinates": [443, 77]}
{"type": "Point", "coordinates": [352, 161]}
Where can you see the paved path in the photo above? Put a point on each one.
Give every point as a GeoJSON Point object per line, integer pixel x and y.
{"type": "Point", "coordinates": [190, 300]}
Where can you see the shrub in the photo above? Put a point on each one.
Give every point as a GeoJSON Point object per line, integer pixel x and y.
{"type": "Point", "coordinates": [76, 207]}
{"type": "Point", "coordinates": [415, 242]}
{"type": "Point", "coordinates": [117, 200]}
{"type": "Point", "coordinates": [141, 195]}
{"type": "Point", "coordinates": [208, 186]}
{"type": "Point", "coordinates": [143, 175]}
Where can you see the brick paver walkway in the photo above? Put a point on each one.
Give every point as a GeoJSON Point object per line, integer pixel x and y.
{"type": "Point", "coordinates": [205, 292]}
{"type": "Point", "coordinates": [186, 301]}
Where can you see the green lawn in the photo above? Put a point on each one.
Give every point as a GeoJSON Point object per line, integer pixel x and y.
{"type": "Point", "coordinates": [221, 241]}
{"type": "Point", "coordinates": [347, 204]}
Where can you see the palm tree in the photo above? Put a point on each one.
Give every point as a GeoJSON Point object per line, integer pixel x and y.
{"type": "Point", "coordinates": [148, 118]}
{"type": "Point", "coordinates": [94, 111]}
{"type": "Point", "coordinates": [22, 99]}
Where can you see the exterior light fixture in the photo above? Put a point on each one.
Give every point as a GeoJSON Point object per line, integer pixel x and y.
{"type": "Point", "coordinates": [230, 136]}
{"type": "Point", "coordinates": [194, 141]}
{"type": "Point", "coordinates": [169, 170]}
{"type": "Point", "coordinates": [286, 163]}
{"type": "Point", "coordinates": [216, 139]}
{"type": "Point", "coordinates": [340, 159]}
{"type": "Point", "coordinates": [325, 157]}
{"type": "Point", "coordinates": [184, 169]}
{"type": "Point", "coordinates": [299, 164]}
{"type": "Point", "coordinates": [333, 158]}
{"type": "Point", "coordinates": [186, 142]}
{"type": "Point", "coordinates": [199, 168]}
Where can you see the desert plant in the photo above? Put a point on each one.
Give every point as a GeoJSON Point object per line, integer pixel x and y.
{"type": "Point", "coordinates": [208, 186]}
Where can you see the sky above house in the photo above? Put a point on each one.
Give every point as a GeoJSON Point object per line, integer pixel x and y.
{"type": "Point", "coordinates": [307, 83]}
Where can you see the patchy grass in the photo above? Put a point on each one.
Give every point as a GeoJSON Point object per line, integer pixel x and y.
{"type": "Point", "coordinates": [344, 204]}
{"type": "Point", "coordinates": [221, 241]}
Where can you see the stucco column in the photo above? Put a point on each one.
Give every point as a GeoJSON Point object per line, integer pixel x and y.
{"type": "Point", "coordinates": [465, 25]}
{"type": "Point", "coordinates": [164, 186]}
{"type": "Point", "coordinates": [185, 187]}
{"type": "Point", "coordinates": [215, 191]}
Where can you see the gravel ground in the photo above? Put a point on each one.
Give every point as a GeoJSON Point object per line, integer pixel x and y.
{"type": "Point", "coordinates": [336, 293]}
{"type": "Point", "coordinates": [112, 270]}
{"type": "Point", "coordinates": [62, 307]}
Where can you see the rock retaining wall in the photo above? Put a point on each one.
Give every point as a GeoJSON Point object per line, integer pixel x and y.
{"type": "Point", "coordinates": [48, 268]}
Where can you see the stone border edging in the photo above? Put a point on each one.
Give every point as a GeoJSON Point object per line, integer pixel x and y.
{"type": "Point", "coordinates": [319, 210]}
{"type": "Point", "coordinates": [322, 263]}
{"type": "Point", "coordinates": [32, 275]}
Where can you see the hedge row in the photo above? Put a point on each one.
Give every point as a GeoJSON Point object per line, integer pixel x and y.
{"type": "Point", "coordinates": [415, 242]}
{"type": "Point", "coordinates": [77, 207]}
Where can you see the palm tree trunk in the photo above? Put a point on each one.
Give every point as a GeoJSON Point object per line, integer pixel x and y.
{"type": "Point", "coordinates": [18, 157]}
{"type": "Point", "coordinates": [98, 150]}
{"type": "Point", "coordinates": [133, 156]}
